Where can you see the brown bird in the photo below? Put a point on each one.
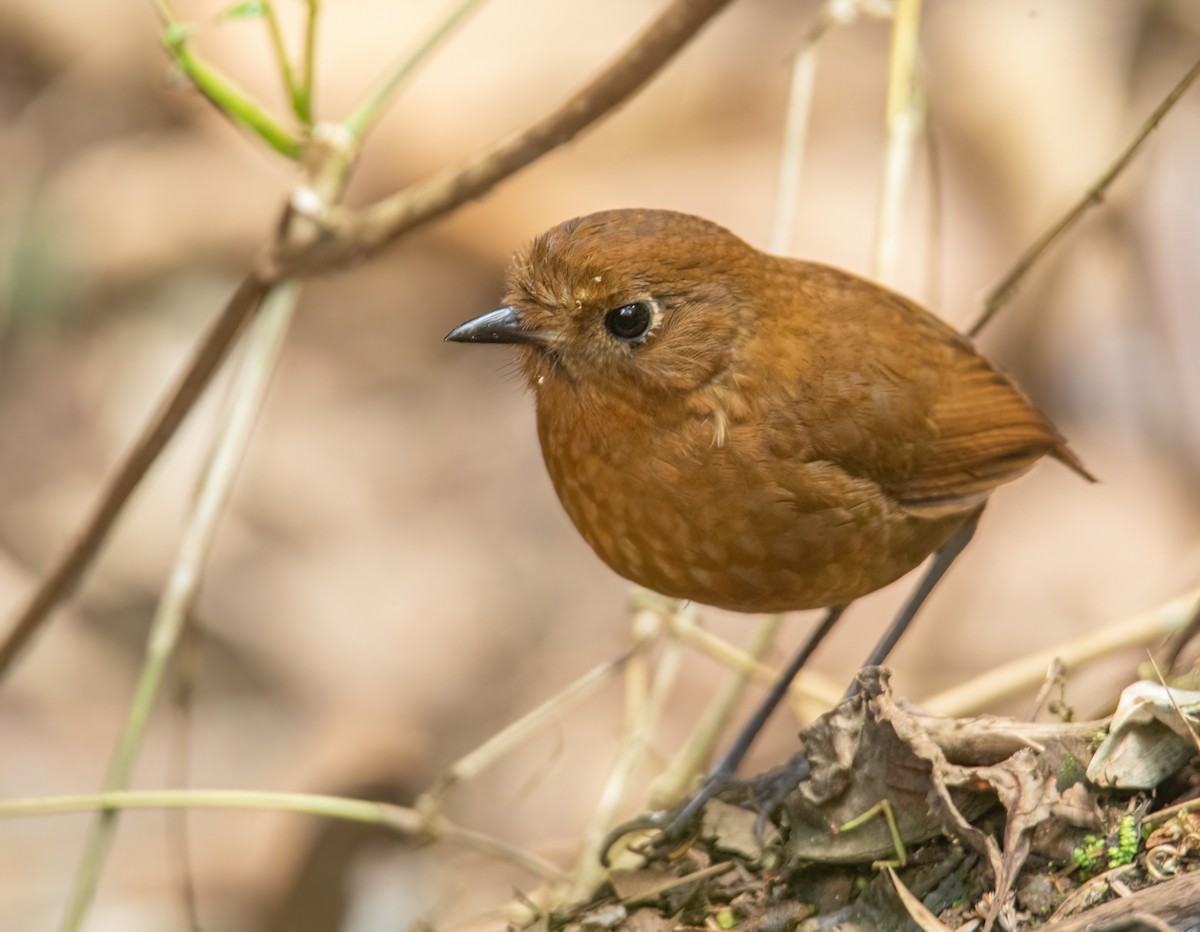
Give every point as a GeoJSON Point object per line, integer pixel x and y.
{"type": "Point", "coordinates": [750, 431]}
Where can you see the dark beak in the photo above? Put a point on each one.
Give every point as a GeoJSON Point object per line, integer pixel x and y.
{"type": "Point", "coordinates": [502, 326]}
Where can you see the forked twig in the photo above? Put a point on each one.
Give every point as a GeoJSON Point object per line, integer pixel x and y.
{"type": "Point", "coordinates": [64, 575]}
{"type": "Point", "coordinates": [365, 235]}
{"type": "Point", "coordinates": [361, 234]}
{"type": "Point", "coordinates": [404, 821]}
{"type": "Point", "coordinates": [999, 295]}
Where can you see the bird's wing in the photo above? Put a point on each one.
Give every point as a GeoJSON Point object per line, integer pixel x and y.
{"type": "Point", "coordinates": [932, 421]}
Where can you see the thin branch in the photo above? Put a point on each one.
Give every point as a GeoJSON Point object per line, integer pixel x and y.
{"type": "Point", "coordinates": [1024, 673]}
{"type": "Point", "coordinates": [406, 822]}
{"type": "Point", "coordinates": [552, 710]}
{"type": "Point", "coordinates": [999, 295]}
{"type": "Point", "coordinates": [304, 104]}
{"type": "Point", "coordinates": [361, 234]}
{"type": "Point", "coordinates": [248, 393]}
{"type": "Point", "coordinates": [229, 99]}
{"type": "Point", "coordinates": [937, 211]}
{"type": "Point", "coordinates": [644, 710]}
{"type": "Point", "coordinates": [286, 72]}
{"type": "Point", "coordinates": [381, 225]}
{"type": "Point", "coordinates": [369, 110]}
{"type": "Point", "coordinates": [64, 575]}
{"type": "Point", "coordinates": [903, 129]}
{"type": "Point", "coordinates": [795, 132]}
{"type": "Point", "coordinates": [680, 774]}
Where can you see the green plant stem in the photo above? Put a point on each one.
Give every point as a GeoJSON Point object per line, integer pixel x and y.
{"type": "Point", "coordinates": [232, 101]}
{"type": "Point", "coordinates": [303, 103]}
{"type": "Point", "coordinates": [371, 108]}
{"type": "Point", "coordinates": [247, 394]}
{"type": "Point", "coordinates": [286, 72]}
{"type": "Point", "coordinates": [407, 822]}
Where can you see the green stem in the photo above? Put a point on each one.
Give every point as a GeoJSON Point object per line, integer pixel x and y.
{"type": "Point", "coordinates": [247, 394]}
{"type": "Point", "coordinates": [286, 72]}
{"type": "Point", "coordinates": [399, 819]}
{"type": "Point", "coordinates": [228, 98]}
{"type": "Point", "coordinates": [304, 99]}
{"type": "Point", "coordinates": [371, 108]}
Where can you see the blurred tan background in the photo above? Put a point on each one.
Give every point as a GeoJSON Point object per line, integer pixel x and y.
{"type": "Point", "coordinates": [394, 579]}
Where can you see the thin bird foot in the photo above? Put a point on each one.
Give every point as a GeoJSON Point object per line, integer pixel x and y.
{"type": "Point", "coordinates": [680, 825]}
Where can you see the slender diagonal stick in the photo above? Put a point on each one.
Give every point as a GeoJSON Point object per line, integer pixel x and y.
{"type": "Point", "coordinates": [361, 234]}
{"type": "Point", "coordinates": [379, 226]}
{"type": "Point", "coordinates": [1092, 197]}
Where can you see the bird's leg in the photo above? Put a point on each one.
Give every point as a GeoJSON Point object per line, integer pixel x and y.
{"type": "Point", "coordinates": [773, 787]}
{"type": "Point", "coordinates": [937, 569]}
{"type": "Point", "coordinates": [741, 745]}
{"type": "Point", "coordinates": [674, 824]}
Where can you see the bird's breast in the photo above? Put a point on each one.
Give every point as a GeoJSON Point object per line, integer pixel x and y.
{"type": "Point", "coordinates": [722, 508]}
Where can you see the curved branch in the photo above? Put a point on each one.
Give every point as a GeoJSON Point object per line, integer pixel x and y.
{"type": "Point", "coordinates": [62, 577]}
{"type": "Point", "coordinates": [363, 233]}
{"type": "Point", "coordinates": [1092, 197]}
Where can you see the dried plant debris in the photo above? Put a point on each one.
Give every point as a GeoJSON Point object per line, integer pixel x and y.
{"type": "Point", "coordinates": [1152, 734]}
{"type": "Point", "coordinates": [988, 822]}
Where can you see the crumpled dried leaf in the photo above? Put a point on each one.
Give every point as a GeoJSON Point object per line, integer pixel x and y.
{"type": "Point", "coordinates": [858, 759]}
{"type": "Point", "coordinates": [883, 751]}
{"type": "Point", "coordinates": [1147, 740]}
{"type": "Point", "coordinates": [732, 828]}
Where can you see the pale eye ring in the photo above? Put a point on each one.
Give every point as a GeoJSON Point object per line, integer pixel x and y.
{"type": "Point", "coordinates": [631, 322]}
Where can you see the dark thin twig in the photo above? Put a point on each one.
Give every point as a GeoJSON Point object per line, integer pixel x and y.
{"type": "Point", "coordinates": [378, 226]}
{"type": "Point", "coordinates": [998, 296]}
{"type": "Point", "coordinates": [63, 576]}
{"type": "Point", "coordinates": [363, 233]}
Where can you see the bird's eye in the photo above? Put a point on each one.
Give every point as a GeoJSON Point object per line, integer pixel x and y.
{"type": "Point", "coordinates": [630, 322]}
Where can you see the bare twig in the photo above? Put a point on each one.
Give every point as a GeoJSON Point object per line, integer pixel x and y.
{"type": "Point", "coordinates": [364, 236]}
{"type": "Point", "coordinates": [903, 129]}
{"type": "Point", "coordinates": [554, 709]}
{"type": "Point", "coordinates": [1000, 294]}
{"type": "Point", "coordinates": [795, 132]}
{"type": "Point", "coordinates": [368, 112]}
{"type": "Point", "coordinates": [328, 175]}
{"type": "Point", "coordinates": [361, 234]}
{"type": "Point", "coordinates": [64, 575]}
{"type": "Point", "coordinates": [248, 392]}
{"type": "Point", "coordinates": [670, 785]}
{"type": "Point", "coordinates": [644, 709]}
{"type": "Point", "coordinates": [1187, 722]}
{"type": "Point", "coordinates": [1011, 678]}
{"type": "Point", "coordinates": [403, 821]}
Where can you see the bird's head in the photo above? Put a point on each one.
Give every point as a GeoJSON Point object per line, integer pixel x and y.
{"type": "Point", "coordinates": [624, 300]}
